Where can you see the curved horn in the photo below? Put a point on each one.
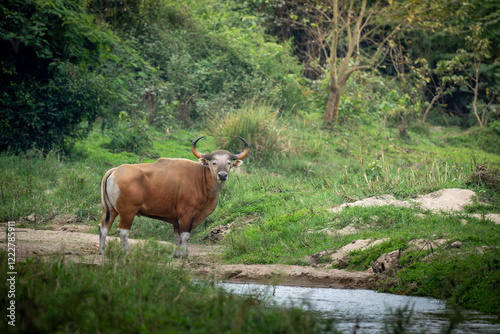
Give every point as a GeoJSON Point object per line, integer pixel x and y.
{"type": "Point", "coordinates": [193, 148]}
{"type": "Point", "coordinates": [245, 151]}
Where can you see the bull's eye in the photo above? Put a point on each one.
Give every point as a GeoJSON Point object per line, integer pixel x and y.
{"type": "Point", "coordinates": [214, 163]}
{"type": "Point", "coordinates": [229, 163]}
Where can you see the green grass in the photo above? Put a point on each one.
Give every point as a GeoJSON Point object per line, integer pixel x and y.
{"type": "Point", "coordinates": [50, 184]}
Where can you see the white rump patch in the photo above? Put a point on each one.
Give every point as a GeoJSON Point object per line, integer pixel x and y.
{"type": "Point", "coordinates": [112, 190]}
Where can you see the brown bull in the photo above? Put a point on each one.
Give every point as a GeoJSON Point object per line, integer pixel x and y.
{"type": "Point", "coordinates": [178, 191]}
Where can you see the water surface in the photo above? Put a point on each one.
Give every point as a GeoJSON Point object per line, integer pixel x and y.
{"type": "Point", "coordinates": [369, 310]}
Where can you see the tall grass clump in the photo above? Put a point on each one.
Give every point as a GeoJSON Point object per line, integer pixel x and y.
{"type": "Point", "coordinates": [258, 123]}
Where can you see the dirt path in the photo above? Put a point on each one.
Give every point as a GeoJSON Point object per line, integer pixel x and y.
{"type": "Point", "coordinates": [73, 241]}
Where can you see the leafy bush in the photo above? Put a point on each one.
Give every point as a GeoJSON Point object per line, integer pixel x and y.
{"type": "Point", "coordinates": [211, 61]}
{"type": "Point", "coordinates": [258, 123]}
{"type": "Point", "coordinates": [49, 51]}
{"type": "Point", "coordinates": [45, 115]}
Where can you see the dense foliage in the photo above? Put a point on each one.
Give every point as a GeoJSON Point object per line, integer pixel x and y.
{"type": "Point", "coordinates": [49, 54]}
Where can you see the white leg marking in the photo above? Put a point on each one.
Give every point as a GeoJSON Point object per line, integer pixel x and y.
{"type": "Point", "coordinates": [185, 237]}
{"type": "Point", "coordinates": [103, 232]}
{"type": "Point", "coordinates": [123, 233]}
{"type": "Point", "coordinates": [177, 252]}
{"type": "Point", "coordinates": [112, 190]}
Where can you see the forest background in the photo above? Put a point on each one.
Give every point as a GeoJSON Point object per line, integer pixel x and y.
{"type": "Point", "coordinates": [136, 64]}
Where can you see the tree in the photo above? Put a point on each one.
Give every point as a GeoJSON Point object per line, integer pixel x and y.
{"type": "Point", "coordinates": [469, 62]}
{"type": "Point", "coordinates": [439, 47]}
{"type": "Point", "coordinates": [331, 24]}
{"type": "Point", "coordinates": [443, 81]}
{"type": "Point", "coordinates": [346, 36]}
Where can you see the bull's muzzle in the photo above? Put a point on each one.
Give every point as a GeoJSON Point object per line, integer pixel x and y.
{"type": "Point", "coordinates": [222, 176]}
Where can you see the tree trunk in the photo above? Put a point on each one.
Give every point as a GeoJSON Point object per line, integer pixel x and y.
{"type": "Point", "coordinates": [332, 108]}
{"type": "Point", "coordinates": [434, 99]}
{"type": "Point", "coordinates": [474, 102]}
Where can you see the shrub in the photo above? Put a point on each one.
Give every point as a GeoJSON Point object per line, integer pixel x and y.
{"type": "Point", "coordinates": [49, 51]}
{"type": "Point", "coordinates": [45, 115]}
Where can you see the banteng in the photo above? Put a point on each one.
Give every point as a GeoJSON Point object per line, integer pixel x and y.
{"type": "Point", "coordinates": [178, 191]}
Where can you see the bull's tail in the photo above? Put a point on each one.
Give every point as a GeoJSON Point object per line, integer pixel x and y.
{"type": "Point", "coordinates": [106, 217]}
{"type": "Point", "coordinates": [104, 195]}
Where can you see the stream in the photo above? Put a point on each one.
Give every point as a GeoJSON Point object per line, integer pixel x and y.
{"type": "Point", "coordinates": [369, 310]}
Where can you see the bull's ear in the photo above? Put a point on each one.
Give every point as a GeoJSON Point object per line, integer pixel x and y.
{"type": "Point", "coordinates": [203, 162]}
{"type": "Point", "coordinates": [237, 163]}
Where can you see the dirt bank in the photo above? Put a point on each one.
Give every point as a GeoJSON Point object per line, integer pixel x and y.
{"type": "Point", "coordinates": [204, 259]}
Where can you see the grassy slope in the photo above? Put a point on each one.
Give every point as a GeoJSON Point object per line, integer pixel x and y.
{"type": "Point", "coordinates": [288, 198]}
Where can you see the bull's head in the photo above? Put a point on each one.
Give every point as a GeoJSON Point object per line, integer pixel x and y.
{"type": "Point", "coordinates": [220, 162]}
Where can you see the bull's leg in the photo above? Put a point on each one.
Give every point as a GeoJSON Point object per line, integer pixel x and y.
{"type": "Point", "coordinates": [105, 225]}
{"type": "Point", "coordinates": [185, 225]}
{"type": "Point", "coordinates": [177, 237]}
{"type": "Point", "coordinates": [126, 220]}
{"type": "Point", "coordinates": [123, 233]}
{"type": "Point", "coordinates": [184, 238]}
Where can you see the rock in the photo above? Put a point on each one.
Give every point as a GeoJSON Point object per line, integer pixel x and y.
{"type": "Point", "coordinates": [377, 268]}
{"type": "Point", "coordinates": [349, 229]}
{"type": "Point", "coordinates": [31, 218]}
{"type": "Point", "coordinates": [385, 262]}
{"type": "Point", "coordinates": [340, 255]}
{"type": "Point", "coordinates": [218, 233]}
{"type": "Point", "coordinates": [373, 201]}
{"type": "Point", "coordinates": [442, 200]}
{"type": "Point", "coordinates": [456, 244]}
{"type": "Point", "coordinates": [482, 249]}
{"type": "Point", "coordinates": [446, 200]}
{"type": "Point", "coordinates": [494, 217]}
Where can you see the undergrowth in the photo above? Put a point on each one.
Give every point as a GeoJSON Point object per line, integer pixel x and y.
{"type": "Point", "coordinates": [468, 277]}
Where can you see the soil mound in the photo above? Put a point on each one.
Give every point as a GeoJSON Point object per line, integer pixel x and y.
{"type": "Point", "coordinates": [441, 200]}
